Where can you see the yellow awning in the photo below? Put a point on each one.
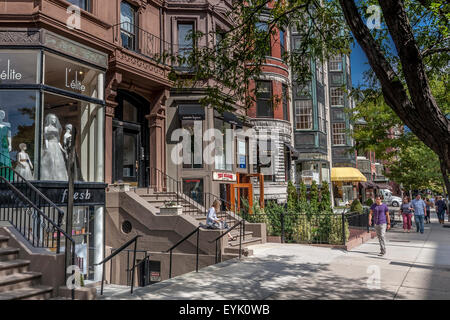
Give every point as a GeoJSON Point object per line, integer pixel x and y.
{"type": "Point", "coordinates": [347, 174]}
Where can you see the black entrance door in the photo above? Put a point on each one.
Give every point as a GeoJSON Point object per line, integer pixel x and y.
{"type": "Point", "coordinates": [128, 153]}
{"type": "Point", "coordinates": [130, 141]}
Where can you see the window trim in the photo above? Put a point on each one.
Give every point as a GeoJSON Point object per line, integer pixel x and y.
{"type": "Point", "coordinates": [311, 115]}
{"type": "Point", "coordinates": [338, 134]}
{"type": "Point", "coordinates": [269, 98]}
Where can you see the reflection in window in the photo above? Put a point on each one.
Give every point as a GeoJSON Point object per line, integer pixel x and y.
{"type": "Point", "coordinates": [127, 25]}
{"type": "Point", "coordinates": [185, 40]}
{"type": "Point", "coordinates": [195, 127]}
{"type": "Point", "coordinates": [88, 120]}
{"type": "Point", "coordinates": [193, 188]}
{"type": "Point", "coordinates": [264, 107]}
{"type": "Point", "coordinates": [82, 4]}
{"type": "Point", "coordinates": [223, 147]}
{"type": "Point", "coordinates": [72, 76]}
{"type": "Point", "coordinates": [303, 114]}
{"type": "Point", "coordinates": [19, 67]}
{"type": "Point", "coordinates": [17, 127]}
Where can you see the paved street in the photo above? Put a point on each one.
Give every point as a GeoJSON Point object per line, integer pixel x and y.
{"type": "Point", "coordinates": [416, 266]}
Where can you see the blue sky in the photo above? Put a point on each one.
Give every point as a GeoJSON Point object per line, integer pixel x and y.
{"type": "Point", "coordinates": [359, 64]}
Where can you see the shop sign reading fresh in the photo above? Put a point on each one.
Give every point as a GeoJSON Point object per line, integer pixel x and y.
{"type": "Point", "coordinates": [75, 84]}
{"type": "Point", "coordinates": [10, 73]}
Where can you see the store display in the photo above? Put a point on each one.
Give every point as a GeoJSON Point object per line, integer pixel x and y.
{"type": "Point", "coordinates": [53, 165]}
{"type": "Point", "coordinates": [24, 165]}
{"type": "Point", "coordinates": [5, 146]}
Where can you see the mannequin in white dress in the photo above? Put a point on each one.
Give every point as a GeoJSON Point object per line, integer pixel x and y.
{"type": "Point", "coordinates": [24, 165]}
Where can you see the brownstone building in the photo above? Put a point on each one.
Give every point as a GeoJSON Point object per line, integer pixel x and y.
{"type": "Point", "coordinates": [90, 67]}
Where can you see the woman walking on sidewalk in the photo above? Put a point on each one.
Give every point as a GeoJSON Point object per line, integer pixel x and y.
{"type": "Point", "coordinates": [406, 211]}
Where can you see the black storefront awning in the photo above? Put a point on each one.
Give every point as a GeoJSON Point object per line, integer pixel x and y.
{"type": "Point", "coordinates": [191, 112]}
{"type": "Point", "coordinates": [232, 118]}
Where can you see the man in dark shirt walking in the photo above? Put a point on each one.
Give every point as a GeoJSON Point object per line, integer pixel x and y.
{"type": "Point", "coordinates": [382, 222]}
{"type": "Point", "coordinates": [441, 207]}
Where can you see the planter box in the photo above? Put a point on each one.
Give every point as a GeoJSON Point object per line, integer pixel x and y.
{"type": "Point", "coordinates": [274, 239]}
{"type": "Point", "coordinates": [171, 211]}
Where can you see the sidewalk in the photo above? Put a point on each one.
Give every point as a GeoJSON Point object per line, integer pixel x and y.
{"type": "Point", "coordinates": [416, 266]}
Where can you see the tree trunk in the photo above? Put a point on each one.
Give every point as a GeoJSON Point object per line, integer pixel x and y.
{"type": "Point", "coordinates": [435, 130]}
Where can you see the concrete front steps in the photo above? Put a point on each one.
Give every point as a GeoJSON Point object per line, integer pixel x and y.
{"type": "Point", "coordinates": [16, 281]}
{"type": "Point", "coordinates": [158, 199]}
{"type": "Point", "coordinates": [232, 248]}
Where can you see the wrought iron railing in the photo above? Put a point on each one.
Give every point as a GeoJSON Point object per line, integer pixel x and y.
{"type": "Point", "coordinates": [161, 182]}
{"type": "Point", "coordinates": [197, 231]}
{"type": "Point", "coordinates": [115, 253]}
{"type": "Point", "coordinates": [33, 215]}
{"type": "Point", "coordinates": [136, 39]}
{"type": "Point", "coordinates": [241, 224]}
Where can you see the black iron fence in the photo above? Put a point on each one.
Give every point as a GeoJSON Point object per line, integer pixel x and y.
{"type": "Point", "coordinates": [323, 228]}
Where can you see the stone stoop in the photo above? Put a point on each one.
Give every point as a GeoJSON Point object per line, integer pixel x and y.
{"type": "Point", "coordinates": [16, 281]}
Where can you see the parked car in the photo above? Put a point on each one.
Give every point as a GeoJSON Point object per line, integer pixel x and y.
{"type": "Point", "coordinates": [389, 198]}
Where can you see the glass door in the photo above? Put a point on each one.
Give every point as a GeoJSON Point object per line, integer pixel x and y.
{"type": "Point", "coordinates": [127, 154]}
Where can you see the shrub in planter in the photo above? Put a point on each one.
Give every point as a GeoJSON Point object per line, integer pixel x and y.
{"type": "Point", "coordinates": [369, 202]}
{"type": "Point", "coordinates": [335, 236]}
{"type": "Point", "coordinates": [356, 206]}
{"type": "Point", "coordinates": [303, 232]}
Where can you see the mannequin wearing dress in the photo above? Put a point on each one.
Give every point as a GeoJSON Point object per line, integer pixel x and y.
{"type": "Point", "coordinates": [24, 165]}
{"type": "Point", "coordinates": [53, 165]}
{"type": "Point", "coordinates": [5, 146]}
{"type": "Point", "coordinates": [67, 140]}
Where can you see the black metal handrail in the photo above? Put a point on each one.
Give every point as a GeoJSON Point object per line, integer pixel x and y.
{"type": "Point", "coordinates": [197, 230]}
{"type": "Point", "coordinates": [160, 181]}
{"type": "Point", "coordinates": [20, 223]}
{"type": "Point", "coordinates": [228, 231]}
{"type": "Point", "coordinates": [116, 252]}
{"type": "Point", "coordinates": [38, 196]}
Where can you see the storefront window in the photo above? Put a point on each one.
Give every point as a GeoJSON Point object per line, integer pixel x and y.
{"type": "Point", "coordinates": [241, 154]}
{"type": "Point", "coordinates": [68, 75]}
{"type": "Point", "coordinates": [195, 128]}
{"type": "Point", "coordinates": [17, 130]}
{"type": "Point", "coordinates": [193, 188]}
{"type": "Point", "coordinates": [223, 162]}
{"type": "Point", "coordinates": [19, 67]}
{"type": "Point", "coordinates": [61, 116]}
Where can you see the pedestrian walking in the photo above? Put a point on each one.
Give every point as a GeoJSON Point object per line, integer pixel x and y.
{"type": "Point", "coordinates": [428, 205]}
{"type": "Point", "coordinates": [441, 208]}
{"type": "Point", "coordinates": [382, 222]}
{"type": "Point", "coordinates": [406, 211]}
{"type": "Point", "coordinates": [419, 208]}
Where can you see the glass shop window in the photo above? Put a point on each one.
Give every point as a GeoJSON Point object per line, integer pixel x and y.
{"type": "Point", "coordinates": [17, 131]}
{"type": "Point", "coordinates": [19, 67]}
{"type": "Point", "coordinates": [193, 188]}
{"type": "Point", "coordinates": [195, 127]}
{"type": "Point", "coordinates": [61, 116]}
{"type": "Point", "coordinates": [72, 76]}
{"type": "Point", "coordinates": [224, 147]}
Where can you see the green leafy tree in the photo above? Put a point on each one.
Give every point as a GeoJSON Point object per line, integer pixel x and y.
{"type": "Point", "coordinates": [408, 49]}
